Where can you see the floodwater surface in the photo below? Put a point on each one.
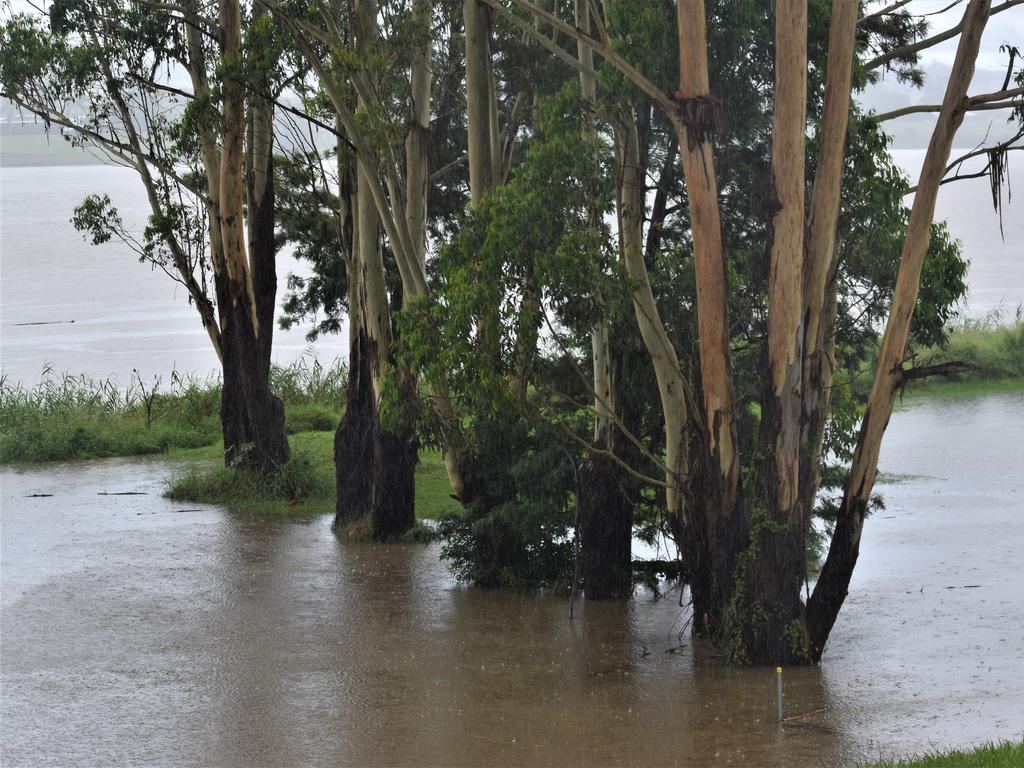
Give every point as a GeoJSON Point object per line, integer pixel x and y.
{"type": "Point", "coordinates": [140, 631]}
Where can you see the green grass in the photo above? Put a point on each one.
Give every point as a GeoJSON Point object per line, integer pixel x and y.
{"type": "Point", "coordinates": [1006, 754]}
{"type": "Point", "coordinates": [995, 352]}
{"type": "Point", "coordinates": [304, 488]}
{"type": "Point", "coordinates": [957, 388]}
{"type": "Point", "coordinates": [66, 417]}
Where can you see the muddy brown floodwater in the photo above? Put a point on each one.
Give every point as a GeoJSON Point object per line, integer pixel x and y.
{"type": "Point", "coordinates": [138, 631]}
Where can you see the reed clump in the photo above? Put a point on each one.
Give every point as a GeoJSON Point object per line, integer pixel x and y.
{"type": "Point", "coordinates": [67, 417]}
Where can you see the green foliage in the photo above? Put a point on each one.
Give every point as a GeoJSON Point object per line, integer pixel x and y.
{"type": "Point", "coordinates": [307, 213]}
{"type": "Point", "coordinates": [525, 259]}
{"type": "Point", "coordinates": [513, 534]}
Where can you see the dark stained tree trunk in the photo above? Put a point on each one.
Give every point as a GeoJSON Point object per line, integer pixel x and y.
{"type": "Point", "coordinates": [234, 417]}
{"type": "Point", "coordinates": [266, 450]}
{"type": "Point", "coordinates": [260, 194]}
{"type": "Point", "coordinates": [375, 468]}
{"type": "Point", "coordinates": [710, 543]}
{"type": "Point", "coordinates": [354, 452]}
{"type": "Point", "coordinates": [607, 493]}
{"type": "Point", "coordinates": [240, 313]}
{"type": "Point", "coordinates": [605, 530]}
{"type": "Point", "coordinates": [394, 504]}
{"type": "Point", "coordinates": [604, 503]}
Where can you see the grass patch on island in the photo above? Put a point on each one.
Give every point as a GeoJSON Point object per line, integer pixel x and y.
{"type": "Point", "coordinates": [1007, 754]}
{"type": "Point", "coordinates": [304, 487]}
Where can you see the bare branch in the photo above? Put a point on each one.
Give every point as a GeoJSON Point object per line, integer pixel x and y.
{"type": "Point", "coordinates": [884, 11]}
{"type": "Point", "coordinates": [928, 42]}
{"type": "Point", "coordinates": [986, 101]}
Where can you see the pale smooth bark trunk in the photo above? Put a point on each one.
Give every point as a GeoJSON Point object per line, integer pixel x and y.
{"type": "Point", "coordinates": [819, 296]}
{"type": "Point", "coordinates": [232, 220]}
{"type": "Point", "coordinates": [246, 397]}
{"type": "Point", "coordinates": [391, 208]}
{"type": "Point", "coordinates": [781, 407]}
{"type": "Point", "coordinates": [600, 347]}
{"type": "Point", "coordinates": [834, 581]}
{"type": "Point", "coordinates": [478, 100]}
{"type": "Point", "coordinates": [376, 311]}
{"type": "Point", "coordinates": [671, 384]}
{"type": "Point", "coordinates": [417, 142]}
{"type": "Point", "coordinates": [695, 131]}
{"type": "Point", "coordinates": [765, 612]}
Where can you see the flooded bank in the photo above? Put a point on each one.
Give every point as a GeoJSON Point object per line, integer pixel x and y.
{"type": "Point", "coordinates": [141, 631]}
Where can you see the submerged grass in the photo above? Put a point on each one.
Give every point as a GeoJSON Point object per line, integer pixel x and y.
{"type": "Point", "coordinates": [1007, 754]}
{"type": "Point", "coordinates": [305, 487]}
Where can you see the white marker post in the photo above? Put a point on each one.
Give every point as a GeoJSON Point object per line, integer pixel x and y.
{"type": "Point", "coordinates": [778, 692]}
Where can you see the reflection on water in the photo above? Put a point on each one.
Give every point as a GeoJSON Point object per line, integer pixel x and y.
{"type": "Point", "coordinates": [163, 636]}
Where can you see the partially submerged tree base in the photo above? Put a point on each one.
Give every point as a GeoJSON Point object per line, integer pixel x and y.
{"type": "Point", "coordinates": [375, 468]}
{"type": "Point", "coordinates": [605, 530]}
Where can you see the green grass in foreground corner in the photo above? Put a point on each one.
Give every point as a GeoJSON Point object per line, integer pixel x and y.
{"type": "Point", "coordinates": [305, 487]}
{"type": "Point", "coordinates": [1006, 754]}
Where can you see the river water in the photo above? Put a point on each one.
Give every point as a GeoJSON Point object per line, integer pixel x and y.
{"type": "Point", "coordinates": [146, 632]}
{"type": "Point", "coordinates": [140, 631]}
{"type": "Point", "coordinates": [96, 310]}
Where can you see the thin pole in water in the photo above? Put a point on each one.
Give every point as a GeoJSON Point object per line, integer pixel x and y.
{"type": "Point", "coordinates": [778, 692]}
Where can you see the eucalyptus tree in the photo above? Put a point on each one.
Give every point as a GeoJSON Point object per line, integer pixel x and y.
{"type": "Point", "coordinates": [373, 64]}
{"type": "Point", "coordinates": [399, 114]}
{"type": "Point", "coordinates": [104, 72]}
{"type": "Point", "coordinates": [742, 472]}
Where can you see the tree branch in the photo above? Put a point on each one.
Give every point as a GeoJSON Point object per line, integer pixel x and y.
{"type": "Point", "coordinates": [602, 47]}
{"type": "Point", "coordinates": [928, 42]}
{"type": "Point", "coordinates": [998, 100]}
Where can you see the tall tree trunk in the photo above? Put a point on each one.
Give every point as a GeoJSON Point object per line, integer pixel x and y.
{"type": "Point", "coordinates": [765, 623]}
{"type": "Point", "coordinates": [353, 439]}
{"type": "Point", "coordinates": [260, 195]}
{"type": "Point", "coordinates": [716, 529]}
{"type": "Point", "coordinates": [834, 581]}
{"type": "Point", "coordinates": [478, 100]}
{"type": "Point", "coordinates": [268, 449]}
{"type": "Point", "coordinates": [389, 199]}
{"type": "Point", "coordinates": [605, 508]}
{"type": "Point", "coordinates": [672, 388]}
{"type": "Point", "coordinates": [819, 295]}
{"type": "Point", "coordinates": [417, 141]}
{"type": "Point", "coordinates": [369, 457]}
